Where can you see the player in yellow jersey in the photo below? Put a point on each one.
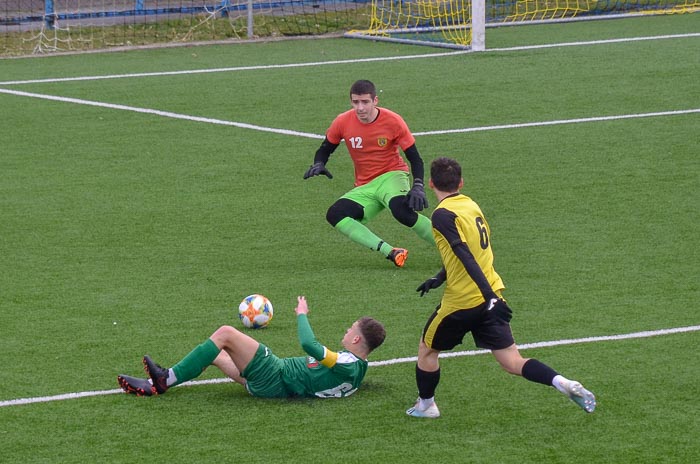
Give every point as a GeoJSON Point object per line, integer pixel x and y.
{"type": "Point", "coordinates": [472, 300]}
{"type": "Point", "coordinates": [373, 136]}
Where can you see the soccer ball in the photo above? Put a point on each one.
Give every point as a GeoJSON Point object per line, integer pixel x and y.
{"type": "Point", "coordinates": [255, 311]}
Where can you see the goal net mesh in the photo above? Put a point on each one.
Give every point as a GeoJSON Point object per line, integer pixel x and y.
{"type": "Point", "coordinates": [45, 26]}
{"type": "Point", "coordinates": [41, 26]}
{"type": "Point", "coordinates": [448, 22]}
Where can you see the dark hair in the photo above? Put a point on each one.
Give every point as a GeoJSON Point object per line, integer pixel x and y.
{"type": "Point", "coordinates": [362, 87]}
{"type": "Point", "coordinates": [372, 331]}
{"type": "Point", "coordinates": [446, 174]}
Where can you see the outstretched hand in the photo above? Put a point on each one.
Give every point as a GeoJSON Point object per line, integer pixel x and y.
{"type": "Point", "coordinates": [317, 169]}
{"type": "Point", "coordinates": [429, 284]}
{"type": "Point", "coordinates": [301, 308]}
{"type": "Point", "coordinates": [500, 309]}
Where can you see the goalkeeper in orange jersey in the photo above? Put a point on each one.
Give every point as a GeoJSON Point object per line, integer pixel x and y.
{"type": "Point", "coordinates": [373, 136]}
{"type": "Point", "coordinates": [472, 300]}
{"type": "Point", "coordinates": [323, 373]}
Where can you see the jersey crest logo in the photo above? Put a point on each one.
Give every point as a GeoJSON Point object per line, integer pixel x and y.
{"type": "Point", "coordinates": [382, 141]}
{"type": "Point", "coordinates": [311, 362]}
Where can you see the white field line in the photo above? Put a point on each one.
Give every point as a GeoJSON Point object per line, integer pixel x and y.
{"type": "Point", "coordinates": [559, 121]}
{"type": "Point", "coordinates": [388, 362]}
{"type": "Point", "coordinates": [341, 62]}
{"type": "Point", "coordinates": [168, 114]}
{"type": "Point", "coordinates": [595, 42]}
{"type": "Point", "coordinates": [233, 69]}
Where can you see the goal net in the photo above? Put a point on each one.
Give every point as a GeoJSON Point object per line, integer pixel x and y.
{"type": "Point", "coordinates": [45, 26]}
{"type": "Point", "coordinates": [461, 23]}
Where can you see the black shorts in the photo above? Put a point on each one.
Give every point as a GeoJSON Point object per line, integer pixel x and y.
{"type": "Point", "coordinates": [445, 331]}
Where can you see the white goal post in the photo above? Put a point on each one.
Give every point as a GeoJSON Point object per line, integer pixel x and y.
{"type": "Point", "coordinates": [478, 25]}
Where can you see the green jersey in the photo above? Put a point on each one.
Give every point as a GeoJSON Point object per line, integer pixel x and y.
{"type": "Point", "coordinates": [323, 373]}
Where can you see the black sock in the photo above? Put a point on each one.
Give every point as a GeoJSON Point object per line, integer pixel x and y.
{"type": "Point", "coordinates": [427, 382]}
{"type": "Point", "coordinates": [535, 371]}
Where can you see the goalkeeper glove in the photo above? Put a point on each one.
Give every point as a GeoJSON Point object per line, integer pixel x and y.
{"type": "Point", "coordinates": [500, 309]}
{"type": "Point", "coordinates": [317, 169]}
{"type": "Point", "coordinates": [433, 282]}
{"type": "Point", "coordinates": [416, 196]}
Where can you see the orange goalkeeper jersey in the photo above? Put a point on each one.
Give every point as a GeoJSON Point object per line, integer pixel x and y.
{"type": "Point", "coordinates": [373, 147]}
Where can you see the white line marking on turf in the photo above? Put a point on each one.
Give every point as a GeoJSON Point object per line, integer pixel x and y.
{"type": "Point", "coordinates": [560, 121]}
{"type": "Point", "coordinates": [572, 341]}
{"type": "Point", "coordinates": [353, 61]}
{"type": "Point", "coordinates": [234, 69]}
{"type": "Point", "coordinates": [168, 114]}
{"type": "Point", "coordinates": [595, 42]}
{"type": "Point", "coordinates": [388, 362]}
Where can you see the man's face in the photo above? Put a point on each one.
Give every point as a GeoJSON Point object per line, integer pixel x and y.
{"type": "Point", "coordinates": [351, 336]}
{"type": "Point", "coordinates": [365, 107]}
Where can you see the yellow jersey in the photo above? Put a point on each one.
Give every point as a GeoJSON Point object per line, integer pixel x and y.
{"type": "Point", "coordinates": [463, 239]}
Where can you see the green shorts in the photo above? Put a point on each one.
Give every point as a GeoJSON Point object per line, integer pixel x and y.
{"type": "Point", "coordinates": [375, 195]}
{"type": "Point", "coordinates": [264, 375]}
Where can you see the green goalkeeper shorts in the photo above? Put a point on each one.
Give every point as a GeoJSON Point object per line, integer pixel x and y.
{"type": "Point", "coordinates": [375, 195]}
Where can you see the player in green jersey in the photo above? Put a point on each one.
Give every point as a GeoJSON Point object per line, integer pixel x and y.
{"type": "Point", "coordinates": [472, 300]}
{"type": "Point", "coordinates": [323, 373]}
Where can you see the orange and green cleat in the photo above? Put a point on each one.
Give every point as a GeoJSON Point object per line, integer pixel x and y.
{"type": "Point", "coordinates": [398, 256]}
